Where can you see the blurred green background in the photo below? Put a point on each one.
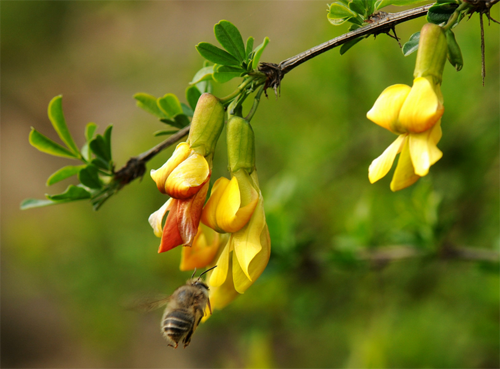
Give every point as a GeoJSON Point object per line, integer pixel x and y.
{"type": "Point", "coordinates": [325, 300]}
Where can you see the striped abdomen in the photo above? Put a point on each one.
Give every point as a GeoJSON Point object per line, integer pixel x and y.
{"type": "Point", "coordinates": [177, 326]}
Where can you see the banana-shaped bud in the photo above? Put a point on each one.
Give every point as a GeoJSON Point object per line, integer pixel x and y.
{"type": "Point", "coordinates": [432, 51]}
{"type": "Point", "coordinates": [240, 145]}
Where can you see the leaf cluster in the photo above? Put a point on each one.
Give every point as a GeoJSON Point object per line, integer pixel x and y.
{"type": "Point", "coordinates": [95, 174]}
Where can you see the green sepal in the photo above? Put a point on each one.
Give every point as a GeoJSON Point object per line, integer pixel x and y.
{"type": "Point", "coordinates": [192, 96]}
{"type": "Point", "coordinates": [258, 53]}
{"type": "Point", "coordinates": [454, 52]}
{"type": "Point", "coordinates": [72, 193]}
{"type": "Point", "coordinates": [63, 173]}
{"type": "Point", "coordinates": [148, 103]}
{"type": "Point", "coordinates": [169, 105]}
{"type": "Point", "coordinates": [240, 145]}
{"type": "Point", "coordinates": [412, 44]}
{"type": "Point", "coordinates": [441, 11]}
{"type": "Point", "coordinates": [224, 73]}
{"type": "Point", "coordinates": [349, 44]}
{"type": "Point", "coordinates": [56, 117]}
{"type": "Point", "coordinates": [46, 145]}
{"type": "Point", "coordinates": [216, 55]}
{"type": "Point", "coordinates": [89, 177]}
{"type": "Point", "coordinates": [230, 38]}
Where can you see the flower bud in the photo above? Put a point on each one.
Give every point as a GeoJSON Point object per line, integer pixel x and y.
{"type": "Point", "coordinates": [207, 124]}
{"type": "Point", "coordinates": [240, 145]}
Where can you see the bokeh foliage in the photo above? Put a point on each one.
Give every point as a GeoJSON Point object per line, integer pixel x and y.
{"type": "Point", "coordinates": [66, 270]}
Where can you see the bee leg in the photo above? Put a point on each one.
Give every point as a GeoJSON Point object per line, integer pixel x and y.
{"type": "Point", "coordinates": [187, 340]}
{"type": "Point", "coordinates": [209, 307]}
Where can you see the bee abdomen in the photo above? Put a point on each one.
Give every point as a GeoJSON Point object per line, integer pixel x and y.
{"type": "Point", "coordinates": [177, 323]}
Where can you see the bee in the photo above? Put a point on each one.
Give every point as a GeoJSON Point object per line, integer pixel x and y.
{"type": "Point", "coordinates": [184, 311]}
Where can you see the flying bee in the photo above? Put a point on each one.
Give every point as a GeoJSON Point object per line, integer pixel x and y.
{"type": "Point", "coordinates": [184, 311]}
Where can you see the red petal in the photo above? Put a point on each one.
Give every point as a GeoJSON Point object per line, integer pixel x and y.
{"type": "Point", "coordinates": [171, 237]}
{"type": "Point", "coordinates": [189, 213]}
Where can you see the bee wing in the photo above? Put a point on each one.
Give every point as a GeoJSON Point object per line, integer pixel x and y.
{"type": "Point", "coordinates": [147, 304]}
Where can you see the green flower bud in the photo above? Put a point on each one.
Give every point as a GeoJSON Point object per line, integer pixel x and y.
{"type": "Point", "coordinates": [432, 52]}
{"type": "Point", "coordinates": [207, 124]}
{"type": "Point", "coordinates": [240, 145]}
{"type": "Point", "coordinates": [454, 52]}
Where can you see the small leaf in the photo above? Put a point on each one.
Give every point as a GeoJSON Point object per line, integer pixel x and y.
{"type": "Point", "coordinates": [192, 96]}
{"type": "Point", "coordinates": [56, 116]}
{"type": "Point", "coordinates": [72, 193]}
{"type": "Point", "coordinates": [90, 130]}
{"type": "Point", "coordinates": [339, 13]}
{"type": "Point", "coordinates": [358, 6]}
{"type": "Point", "coordinates": [186, 110]}
{"type": "Point", "coordinates": [164, 133]}
{"type": "Point", "coordinates": [170, 105]}
{"type": "Point", "coordinates": [224, 73]}
{"type": "Point", "coordinates": [148, 103]}
{"type": "Point", "coordinates": [216, 55]}
{"type": "Point", "coordinates": [46, 145]}
{"type": "Point", "coordinates": [258, 53]}
{"type": "Point", "coordinates": [349, 44]}
{"type": "Point", "coordinates": [64, 173]}
{"type": "Point", "coordinates": [179, 121]}
{"type": "Point", "coordinates": [101, 164]}
{"type": "Point", "coordinates": [89, 177]}
{"type": "Point", "coordinates": [440, 13]}
{"type": "Point", "coordinates": [249, 47]}
{"type": "Point", "coordinates": [379, 4]}
{"type": "Point", "coordinates": [35, 203]}
{"type": "Point", "coordinates": [107, 140]}
{"type": "Point", "coordinates": [204, 74]}
{"type": "Point", "coordinates": [230, 38]}
{"type": "Point", "coordinates": [99, 147]}
{"type": "Point", "coordinates": [412, 44]}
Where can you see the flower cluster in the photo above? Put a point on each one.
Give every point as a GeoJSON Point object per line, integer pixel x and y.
{"type": "Point", "coordinates": [414, 113]}
{"type": "Point", "coordinates": [230, 231]}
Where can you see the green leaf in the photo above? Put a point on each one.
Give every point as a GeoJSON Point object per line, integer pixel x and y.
{"type": "Point", "coordinates": [192, 96]}
{"type": "Point", "coordinates": [107, 140]}
{"type": "Point", "coordinates": [412, 44]}
{"type": "Point", "coordinates": [72, 193]}
{"type": "Point", "coordinates": [165, 133]}
{"type": "Point", "coordinates": [64, 173]}
{"type": "Point", "coordinates": [349, 44]}
{"type": "Point", "coordinates": [179, 121]}
{"type": "Point", "coordinates": [454, 52]}
{"type": "Point", "coordinates": [56, 116]}
{"type": "Point", "coordinates": [46, 145]}
{"type": "Point", "coordinates": [101, 164]}
{"type": "Point", "coordinates": [440, 13]}
{"type": "Point", "coordinates": [258, 53]}
{"type": "Point", "coordinates": [186, 110]}
{"type": "Point", "coordinates": [89, 177]}
{"type": "Point", "coordinates": [358, 6]}
{"type": "Point", "coordinates": [90, 130]}
{"type": "Point", "coordinates": [230, 38]}
{"type": "Point", "coordinates": [216, 55]}
{"type": "Point", "coordinates": [204, 74]}
{"type": "Point", "coordinates": [148, 103]}
{"type": "Point", "coordinates": [379, 4]}
{"type": "Point", "coordinates": [101, 149]}
{"type": "Point", "coordinates": [224, 73]}
{"type": "Point", "coordinates": [249, 47]}
{"type": "Point", "coordinates": [35, 203]}
{"type": "Point", "coordinates": [170, 105]}
{"type": "Point", "coordinates": [339, 11]}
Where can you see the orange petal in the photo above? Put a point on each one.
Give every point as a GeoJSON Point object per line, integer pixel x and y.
{"type": "Point", "coordinates": [187, 178]}
{"type": "Point", "coordinates": [205, 246]}
{"type": "Point", "coordinates": [160, 175]}
{"type": "Point", "coordinates": [171, 237]}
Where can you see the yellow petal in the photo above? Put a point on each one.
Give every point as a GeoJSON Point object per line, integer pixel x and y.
{"type": "Point", "coordinates": [160, 175]}
{"type": "Point", "coordinates": [220, 273]}
{"type": "Point", "coordinates": [247, 241]}
{"type": "Point", "coordinates": [222, 295]}
{"type": "Point", "coordinates": [187, 178]}
{"type": "Point", "coordinates": [208, 217]}
{"type": "Point", "coordinates": [422, 108]}
{"type": "Point", "coordinates": [257, 265]}
{"type": "Point", "coordinates": [423, 151]}
{"type": "Point", "coordinates": [404, 174]}
{"type": "Point", "coordinates": [381, 165]}
{"type": "Point", "coordinates": [156, 219]}
{"type": "Point", "coordinates": [230, 216]}
{"type": "Point", "coordinates": [385, 111]}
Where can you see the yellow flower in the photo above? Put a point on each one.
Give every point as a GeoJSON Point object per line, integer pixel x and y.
{"type": "Point", "coordinates": [414, 113]}
{"type": "Point", "coordinates": [236, 207]}
{"type": "Point", "coordinates": [204, 249]}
